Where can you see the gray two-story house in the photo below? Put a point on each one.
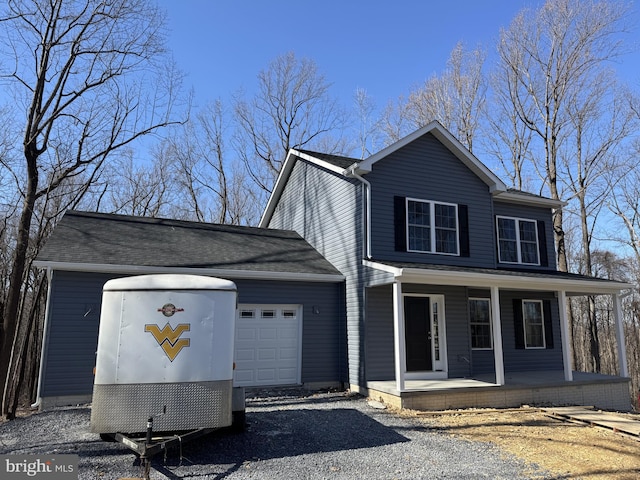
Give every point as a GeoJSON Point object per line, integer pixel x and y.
{"type": "Point", "coordinates": [453, 298]}
{"type": "Point", "coordinates": [414, 276]}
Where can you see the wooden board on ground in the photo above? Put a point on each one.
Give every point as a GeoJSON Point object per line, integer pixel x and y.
{"type": "Point", "coordinates": [612, 421]}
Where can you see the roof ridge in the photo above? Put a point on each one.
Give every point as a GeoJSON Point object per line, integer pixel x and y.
{"type": "Point", "coordinates": [162, 221]}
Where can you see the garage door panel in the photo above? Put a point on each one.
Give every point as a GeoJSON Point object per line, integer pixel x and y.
{"type": "Point", "coordinates": [266, 375]}
{"type": "Point", "coordinates": [244, 376]}
{"type": "Point", "coordinates": [267, 345]}
{"type": "Point", "coordinates": [289, 373]}
{"type": "Point", "coordinates": [268, 333]}
{"type": "Point", "coordinates": [288, 353]}
{"type": "Point", "coordinates": [287, 333]}
{"type": "Point", "coordinates": [245, 334]}
{"type": "Point", "coordinates": [267, 354]}
{"type": "Point", "coordinates": [245, 354]}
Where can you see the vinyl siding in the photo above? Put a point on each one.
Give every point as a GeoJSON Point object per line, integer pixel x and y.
{"type": "Point", "coordinates": [323, 356]}
{"type": "Point", "coordinates": [518, 360]}
{"type": "Point", "coordinates": [482, 361]}
{"type": "Point", "coordinates": [531, 213]}
{"type": "Point", "coordinates": [379, 332]}
{"type": "Point", "coordinates": [72, 334]}
{"type": "Point", "coordinates": [326, 209]}
{"type": "Point", "coordinates": [425, 169]}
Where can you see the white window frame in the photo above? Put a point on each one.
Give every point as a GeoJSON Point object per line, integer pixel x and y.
{"type": "Point", "coordinates": [432, 226]}
{"type": "Point", "coordinates": [517, 221]}
{"type": "Point", "coordinates": [471, 321]}
{"type": "Point", "coordinates": [524, 324]}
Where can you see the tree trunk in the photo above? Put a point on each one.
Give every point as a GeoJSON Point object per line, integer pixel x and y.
{"type": "Point", "coordinates": [12, 311]}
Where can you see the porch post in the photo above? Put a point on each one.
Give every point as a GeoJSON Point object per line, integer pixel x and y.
{"type": "Point", "coordinates": [497, 335]}
{"type": "Point", "coordinates": [398, 335]}
{"type": "Point", "coordinates": [622, 348]}
{"type": "Point", "coordinates": [565, 334]}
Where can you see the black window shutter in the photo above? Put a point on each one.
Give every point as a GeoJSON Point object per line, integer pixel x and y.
{"type": "Point", "coordinates": [463, 219]}
{"type": "Point", "coordinates": [400, 223]}
{"type": "Point", "coordinates": [517, 323]}
{"type": "Point", "coordinates": [542, 244]}
{"type": "Point", "coordinates": [548, 323]}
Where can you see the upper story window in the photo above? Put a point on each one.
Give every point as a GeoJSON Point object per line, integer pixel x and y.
{"type": "Point", "coordinates": [432, 227]}
{"type": "Point", "coordinates": [518, 241]}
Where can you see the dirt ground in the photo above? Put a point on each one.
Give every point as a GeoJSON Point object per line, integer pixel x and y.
{"type": "Point", "coordinates": [570, 450]}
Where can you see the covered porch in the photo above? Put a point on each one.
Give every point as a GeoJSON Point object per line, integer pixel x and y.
{"type": "Point", "coordinates": [508, 385]}
{"type": "Point", "coordinates": [537, 388]}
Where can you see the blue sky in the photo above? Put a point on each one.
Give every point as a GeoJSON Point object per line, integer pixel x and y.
{"type": "Point", "coordinates": [386, 47]}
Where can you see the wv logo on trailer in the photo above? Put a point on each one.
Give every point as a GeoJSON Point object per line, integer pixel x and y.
{"type": "Point", "coordinates": [168, 337]}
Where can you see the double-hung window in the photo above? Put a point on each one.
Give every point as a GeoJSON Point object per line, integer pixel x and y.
{"type": "Point", "coordinates": [432, 227]}
{"type": "Point", "coordinates": [518, 241]}
{"type": "Point", "coordinates": [533, 319]}
{"type": "Point", "coordinates": [480, 321]}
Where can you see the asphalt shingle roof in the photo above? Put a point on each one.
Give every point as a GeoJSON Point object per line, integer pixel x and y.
{"type": "Point", "coordinates": [106, 239]}
{"type": "Point", "coordinates": [337, 160]}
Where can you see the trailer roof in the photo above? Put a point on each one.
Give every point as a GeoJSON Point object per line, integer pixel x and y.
{"type": "Point", "coordinates": [169, 282]}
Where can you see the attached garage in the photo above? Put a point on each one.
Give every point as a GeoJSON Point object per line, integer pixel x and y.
{"type": "Point", "coordinates": [290, 326]}
{"type": "Point", "coordinates": [268, 345]}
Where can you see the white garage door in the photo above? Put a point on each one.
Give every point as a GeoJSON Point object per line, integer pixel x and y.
{"type": "Point", "coordinates": [267, 345]}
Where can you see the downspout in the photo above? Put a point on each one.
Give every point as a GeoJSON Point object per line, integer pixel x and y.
{"type": "Point", "coordinates": [44, 338]}
{"type": "Point", "coordinates": [367, 206]}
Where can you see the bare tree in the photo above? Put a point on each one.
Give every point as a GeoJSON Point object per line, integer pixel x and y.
{"type": "Point", "coordinates": [456, 98]}
{"type": "Point", "coordinates": [213, 184]}
{"type": "Point", "coordinates": [292, 109]}
{"type": "Point", "coordinates": [87, 74]}
{"type": "Point", "coordinates": [550, 59]}
{"type": "Point", "coordinates": [590, 165]}
{"type": "Point", "coordinates": [507, 138]}
{"type": "Point", "coordinates": [368, 125]}
{"type": "Point", "coordinates": [133, 186]}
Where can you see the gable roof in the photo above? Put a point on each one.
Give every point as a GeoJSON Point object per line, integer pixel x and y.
{"type": "Point", "coordinates": [348, 167]}
{"type": "Point", "coordinates": [449, 141]}
{"type": "Point", "coordinates": [99, 242]}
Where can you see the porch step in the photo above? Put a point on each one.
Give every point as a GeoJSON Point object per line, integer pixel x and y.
{"type": "Point", "coordinates": [618, 423]}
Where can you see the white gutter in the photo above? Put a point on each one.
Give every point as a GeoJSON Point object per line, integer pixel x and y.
{"type": "Point", "coordinates": [214, 272]}
{"type": "Point", "coordinates": [44, 338]}
{"type": "Point", "coordinates": [351, 172]}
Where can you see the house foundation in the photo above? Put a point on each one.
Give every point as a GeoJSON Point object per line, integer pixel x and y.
{"type": "Point", "coordinates": [604, 392]}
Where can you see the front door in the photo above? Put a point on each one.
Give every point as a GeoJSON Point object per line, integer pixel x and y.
{"type": "Point", "coordinates": [417, 320]}
{"type": "Point", "coordinates": [425, 336]}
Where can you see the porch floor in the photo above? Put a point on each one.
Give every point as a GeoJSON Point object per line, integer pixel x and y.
{"type": "Point", "coordinates": [531, 388]}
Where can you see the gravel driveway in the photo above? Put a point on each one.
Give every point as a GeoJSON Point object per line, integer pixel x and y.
{"type": "Point", "coordinates": [289, 435]}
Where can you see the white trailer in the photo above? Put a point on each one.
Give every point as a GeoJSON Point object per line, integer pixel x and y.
{"type": "Point", "coordinates": [165, 354]}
